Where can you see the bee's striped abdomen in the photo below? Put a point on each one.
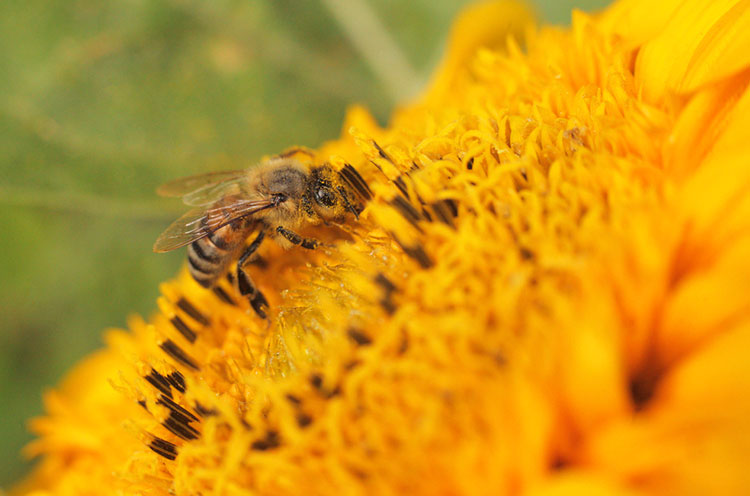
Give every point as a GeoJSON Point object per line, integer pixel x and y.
{"type": "Point", "coordinates": [207, 261]}
{"type": "Point", "coordinates": [208, 257]}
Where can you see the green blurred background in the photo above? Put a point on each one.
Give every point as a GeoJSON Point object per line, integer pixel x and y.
{"type": "Point", "coordinates": [101, 101]}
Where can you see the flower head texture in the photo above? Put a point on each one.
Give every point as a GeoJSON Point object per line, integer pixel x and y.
{"type": "Point", "coordinates": [547, 293]}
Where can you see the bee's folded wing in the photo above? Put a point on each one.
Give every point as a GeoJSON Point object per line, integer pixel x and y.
{"type": "Point", "coordinates": [192, 185]}
{"type": "Point", "coordinates": [200, 222]}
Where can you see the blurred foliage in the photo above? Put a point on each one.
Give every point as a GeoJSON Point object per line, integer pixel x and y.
{"type": "Point", "coordinates": [100, 102]}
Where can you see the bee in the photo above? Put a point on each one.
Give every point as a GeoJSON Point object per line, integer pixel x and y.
{"type": "Point", "coordinates": [273, 199]}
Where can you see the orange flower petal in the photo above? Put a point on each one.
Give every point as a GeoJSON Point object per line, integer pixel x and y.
{"type": "Point", "coordinates": [638, 21]}
{"type": "Point", "coordinates": [696, 35]}
{"type": "Point", "coordinates": [725, 50]}
{"type": "Point", "coordinates": [695, 438]}
{"type": "Point", "coordinates": [471, 31]}
{"type": "Point", "coordinates": [734, 130]}
{"type": "Point", "coordinates": [580, 482]}
{"type": "Point", "coordinates": [707, 303]}
{"type": "Point", "coordinates": [706, 123]}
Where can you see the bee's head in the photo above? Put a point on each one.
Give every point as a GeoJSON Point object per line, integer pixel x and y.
{"type": "Point", "coordinates": [330, 196]}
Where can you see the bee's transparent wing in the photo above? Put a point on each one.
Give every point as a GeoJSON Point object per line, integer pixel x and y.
{"type": "Point", "coordinates": [200, 222]}
{"type": "Point", "coordinates": [211, 193]}
{"type": "Point", "coordinates": [191, 185]}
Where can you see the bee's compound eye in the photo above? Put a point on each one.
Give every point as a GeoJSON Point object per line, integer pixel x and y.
{"type": "Point", "coordinates": [325, 197]}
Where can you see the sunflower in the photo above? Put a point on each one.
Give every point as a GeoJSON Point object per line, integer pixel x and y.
{"type": "Point", "coordinates": [547, 293]}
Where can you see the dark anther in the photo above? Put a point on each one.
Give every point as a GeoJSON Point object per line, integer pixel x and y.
{"type": "Point", "coordinates": [388, 288]}
{"type": "Point", "coordinates": [359, 337]}
{"type": "Point", "coordinates": [176, 409]}
{"type": "Point", "coordinates": [381, 152]}
{"type": "Point", "coordinates": [222, 295]}
{"type": "Point", "coordinates": [407, 210]}
{"type": "Point", "coordinates": [204, 411]}
{"type": "Point", "coordinates": [159, 382]}
{"type": "Point", "coordinates": [193, 312]}
{"type": "Point", "coordinates": [445, 210]}
{"type": "Point", "coordinates": [401, 185]}
{"type": "Point", "coordinates": [183, 328]}
{"type": "Point", "coordinates": [384, 282]}
{"type": "Point", "coordinates": [303, 420]}
{"type": "Point", "coordinates": [317, 381]}
{"type": "Point", "coordinates": [179, 428]}
{"type": "Point", "coordinates": [163, 448]}
{"type": "Point", "coordinates": [404, 344]}
{"type": "Point", "coordinates": [452, 206]}
{"type": "Point", "coordinates": [269, 442]}
{"type": "Point", "coordinates": [470, 163]}
{"type": "Point", "coordinates": [174, 351]}
{"type": "Point", "coordinates": [415, 252]}
{"type": "Point", "coordinates": [177, 381]}
{"type": "Point", "coordinates": [388, 305]}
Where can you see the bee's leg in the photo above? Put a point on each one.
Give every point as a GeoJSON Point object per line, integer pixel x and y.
{"type": "Point", "coordinates": [295, 238]}
{"type": "Point", "coordinates": [245, 284]}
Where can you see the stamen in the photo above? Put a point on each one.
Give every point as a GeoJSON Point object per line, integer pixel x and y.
{"type": "Point", "coordinates": [222, 295]}
{"type": "Point", "coordinates": [174, 351]}
{"type": "Point", "coordinates": [183, 329]}
{"type": "Point", "coordinates": [163, 448]}
{"type": "Point", "coordinates": [159, 382]}
{"type": "Point", "coordinates": [269, 442]}
{"type": "Point", "coordinates": [359, 337]}
{"type": "Point", "coordinates": [177, 381]}
{"type": "Point", "coordinates": [187, 307]}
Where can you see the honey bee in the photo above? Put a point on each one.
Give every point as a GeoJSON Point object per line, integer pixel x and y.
{"type": "Point", "coordinates": [274, 199]}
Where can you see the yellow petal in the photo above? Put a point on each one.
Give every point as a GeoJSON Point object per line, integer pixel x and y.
{"type": "Point", "coordinates": [697, 29]}
{"type": "Point", "coordinates": [707, 303]}
{"type": "Point", "coordinates": [472, 31]}
{"type": "Point", "coordinates": [695, 437]}
{"type": "Point", "coordinates": [638, 21]}
{"type": "Point", "coordinates": [702, 123]}
{"type": "Point", "coordinates": [716, 202]}
{"type": "Point", "coordinates": [734, 132]}
{"type": "Point", "coordinates": [591, 374]}
{"type": "Point", "coordinates": [579, 482]}
{"type": "Point", "coordinates": [725, 50]}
